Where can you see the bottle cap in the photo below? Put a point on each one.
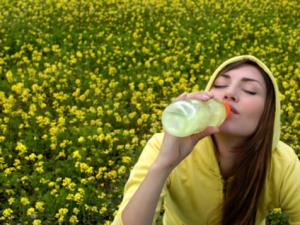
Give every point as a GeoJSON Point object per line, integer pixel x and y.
{"type": "Point", "coordinates": [227, 108]}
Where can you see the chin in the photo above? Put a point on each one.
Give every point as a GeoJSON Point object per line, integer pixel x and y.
{"type": "Point", "coordinates": [232, 130]}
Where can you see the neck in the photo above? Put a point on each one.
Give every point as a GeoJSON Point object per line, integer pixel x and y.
{"type": "Point", "coordinates": [227, 152]}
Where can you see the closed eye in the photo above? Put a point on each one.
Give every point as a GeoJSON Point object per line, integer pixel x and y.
{"type": "Point", "coordinates": [219, 86]}
{"type": "Point", "coordinates": [250, 92]}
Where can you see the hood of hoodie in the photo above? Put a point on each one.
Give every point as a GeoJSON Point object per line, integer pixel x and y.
{"type": "Point", "coordinates": [276, 129]}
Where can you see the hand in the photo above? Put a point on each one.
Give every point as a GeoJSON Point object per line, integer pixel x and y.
{"type": "Point", "coordinates": [175, 149]}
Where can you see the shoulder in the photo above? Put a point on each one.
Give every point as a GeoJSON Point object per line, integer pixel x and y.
{"type": "Point", "coordinates": [283, 154]}
{"type": "Point", "coordinates": [284, 161]}
{"type": "Point", "coordinates": [283, 174]}
{"type": "Point", "coordinates": [156, 138]}
{"type": "Point", "coordinates": [285, 182]}
{"type": "Point", "coordinates": [151, 149]}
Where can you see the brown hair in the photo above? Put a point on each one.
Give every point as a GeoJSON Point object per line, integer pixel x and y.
{"type": "Point", "coordinates": [241, 201]}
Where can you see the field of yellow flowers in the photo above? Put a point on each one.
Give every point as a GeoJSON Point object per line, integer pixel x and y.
{"type": "Point", "coordinates": [83, 85]}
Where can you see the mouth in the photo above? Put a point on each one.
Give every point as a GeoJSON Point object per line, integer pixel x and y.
{"type": "Point", "coordinates": [234, 110]}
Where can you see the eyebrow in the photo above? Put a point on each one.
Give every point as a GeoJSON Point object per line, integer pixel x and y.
{"type": "Point", "coordinates": [244, 79]}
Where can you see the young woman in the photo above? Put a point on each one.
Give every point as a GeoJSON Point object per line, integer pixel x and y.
{"type": "Point", "coordinates": [230, 175]}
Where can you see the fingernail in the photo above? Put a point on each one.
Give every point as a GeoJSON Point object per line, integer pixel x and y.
{"type": "Point", "coordinates": [197, 94]}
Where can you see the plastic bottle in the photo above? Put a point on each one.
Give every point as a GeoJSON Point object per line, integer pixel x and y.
{"type": "Point", "coordinates": [185, 117]}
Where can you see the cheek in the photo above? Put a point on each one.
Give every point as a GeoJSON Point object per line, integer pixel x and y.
{"type": "Point", "coordinates": [254, 109]}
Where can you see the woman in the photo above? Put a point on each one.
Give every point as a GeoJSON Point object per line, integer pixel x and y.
{"type": "Point", "coordinates": [231, 175]}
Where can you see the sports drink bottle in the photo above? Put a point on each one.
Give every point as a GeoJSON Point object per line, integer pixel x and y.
{"type": "Point", "coordinates": [185, 117]}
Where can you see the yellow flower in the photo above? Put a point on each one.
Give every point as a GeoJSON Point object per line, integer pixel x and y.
{"type": "Point", "coordinates": [30, 211]}
{"type": "Point", "coordinates": [24, 201]}
{"type": "Point", "coordinates": [36, 222]}
{"type": "Point", "coordinates": [103, 210]}
{"type": "Point", "coordinates": [102, 195]}
{"type": "Point", "coordinates": [10, 191]}
{"type": "Point", "coordinates": [73, 219]}
{"type": "Point", "coordinates": [11, 200]}
{"type": "Point", "coordinates": [9, 76]}
{"type": "Point", "coordinates": [46, 49]}
{"type": "Point", "coordinates": [39, 206]}
{"type": "Point", "coordinates": [7, 212]}
{"type": "Point", "coordinates": [76, 155]}
{"type": "Point", "coordinates": [9, 170]}
{"type": "Point", "coordinates": [66, 182]}
{"type": "Point", "coordinates": [17, 88]}
{"type": "Point", "coordinates": [85, 168]}
{"type": "Point", "coordinates": [277, 210]}
{"type": "Point", "coordinates": [78, 197]}
{"type": "Point", "coordinates": [39, 167]}
{"type": "Point", "coordinates": [112, 174]}
{"type": "Point", "coordinates": [76, 211]}
{"type": "Point", "coordinates": [70, 196]}
{"type": "Point", "coordinates": [53, 146]}
{"type": "Point", "coordinates": [61, 154]}
{"type": "Point", "coordinates": [73, 60]}
{"type": "Point", "coordinates": [132, 115]}
{"type": "Point", "coordinates": [21, 148]}
{"type": "Point", "coordinates": [32, 109]}
{"type": "Point", "coordinates": [51, 184]}
{"type": "Point", "coordinates": [81, 139]}
{"type": "Point", "coordinates": [31, 157]}
{"type": "Point", "coordinates": [17, 164]}
{"type": "Point", "coordinates": [135, 35]}
{"type": "Point", "coordinates": [36, 56]}
{"type": "Point", "coordinates": [55, 48]}
{"type": "Point", "coordinates": [60, 215]}
{"type": "Point", "coordinates": [145, 50]}
{"type": "Point", "coordinates": [112, 70]}
{"type": "Point", "coordinates": [122, 170]}
{"type": "Point", "coordinates": [79, 54]}
{"type": "Point", "coordinates": [141, 87]}
{"type": "Point", "coordinates": [42, 121]}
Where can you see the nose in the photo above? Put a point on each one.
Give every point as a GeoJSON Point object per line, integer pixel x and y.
{"type": "Point", "coordinates": [230, 96]}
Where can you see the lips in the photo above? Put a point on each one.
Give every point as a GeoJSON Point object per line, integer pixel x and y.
{"type": "Point", "coordinates": [234, 110]}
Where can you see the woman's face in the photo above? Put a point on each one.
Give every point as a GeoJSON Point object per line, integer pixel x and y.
{"type": "Point", "coordinates": [245, 90]}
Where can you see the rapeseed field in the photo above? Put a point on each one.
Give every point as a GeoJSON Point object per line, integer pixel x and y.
{"type": "Point", "coordinates": [83, 85]}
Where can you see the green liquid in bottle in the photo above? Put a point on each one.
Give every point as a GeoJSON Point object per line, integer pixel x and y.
{"type": "Point", "coordinates": [185, 117]}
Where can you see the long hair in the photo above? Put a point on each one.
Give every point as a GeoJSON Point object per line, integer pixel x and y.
{"type": "Point", "coordinates": [241, 200]}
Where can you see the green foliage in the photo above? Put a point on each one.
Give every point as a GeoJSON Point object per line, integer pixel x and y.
{"type": "Point", "coordinates": [277, 217]}
{"type": "Point", "coordinates": [83, 85]}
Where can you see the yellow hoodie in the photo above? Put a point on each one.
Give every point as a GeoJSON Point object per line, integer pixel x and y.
{"type": "Point", "coordinates": [193, 193]}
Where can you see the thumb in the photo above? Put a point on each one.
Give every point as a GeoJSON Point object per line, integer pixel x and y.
{"type": "Point", "coordinates": [211, 130]}
{"type": "Point", "coordinates": [208, 131]}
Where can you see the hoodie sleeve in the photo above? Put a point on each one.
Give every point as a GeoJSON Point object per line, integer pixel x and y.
{"type": "Point", "coordinates": [290, 191]}
{"type": "Point", "coordinates": [137, 175]}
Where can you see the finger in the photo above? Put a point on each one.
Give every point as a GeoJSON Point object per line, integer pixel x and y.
{"type": "Point", "coordinates": [182, 96]}
{"type": "Point", "coordinates": [203, 96]}
{"type": "Point", "coordinates": [211, 130]}
{"type": "Point", "coordinates": [207, 132]}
